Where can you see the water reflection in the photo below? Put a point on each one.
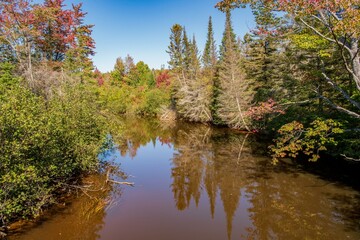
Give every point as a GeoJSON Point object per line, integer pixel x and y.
{"type": "Point", "coordinates": [207, 159]}
{"type": "Point", "coordinates": [197, 182]}
{"type": "Point", "coordinates": [282, 202]}
{"type": "Point", "coordinates": [78, 218]}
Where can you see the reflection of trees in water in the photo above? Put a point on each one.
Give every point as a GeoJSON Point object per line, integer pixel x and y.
{"type": "Point", "coordinates": [285, 203]}
{"type": "Point", "coordinates": [137, 132]}
{"type": "Point", "coordinates": [207, 158]}
{"type": "Point", "coordinates": [188, 165]}
{"type": "Point", "coordinates": [81, 217]}
{"type": "Point", "coordinates": [288, 203]}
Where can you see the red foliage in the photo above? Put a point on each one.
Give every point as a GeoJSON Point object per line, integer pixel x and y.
{"type": "Point", "coordinates": [16, 15]}
{"type": "Point", "coordinates": [49, 27]}
{"type": "Point", "coordinates": [99, 77]}
{"type": "Point", "coordinates": [259, 112]}
{"type": "Point", "coordinates": [163, 79]}
{"type": "Point", "coordinates": [262, 32]}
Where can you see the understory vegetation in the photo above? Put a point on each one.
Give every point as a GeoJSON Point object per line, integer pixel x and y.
{"type": "Point", "coordinates": [45, 144]}
{"type": "Point", "coordinates": [51, 131]}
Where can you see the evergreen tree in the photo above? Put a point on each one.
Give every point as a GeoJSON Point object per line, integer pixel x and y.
{"type": "Point", "coordinates": [263, 55]}
{"type": "Point", "coordinates": [187, 52]}
{"type": "Point", "coordinates": [191, 93]}
{"type": "Point", "coordinates": [175, 49]}
{"type": "Point", "coordinates": [118, 74]}
{"type": "Point", "coordinates": [209, 58]}
{"type": "Point", "coordinates": [234, 95]}
{"type": "Point", "coordinates": [228, 34]}
{"type": "Point", "coordinates": [194, 58]}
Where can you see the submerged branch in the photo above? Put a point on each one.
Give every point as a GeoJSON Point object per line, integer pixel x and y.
{"type": "Point", "coordinates": [122, 183]}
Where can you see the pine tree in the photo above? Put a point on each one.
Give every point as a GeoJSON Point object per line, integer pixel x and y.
{"type": "Point", "coordinates": [191, 94]}
{"type": "Point", "coordinates": [186, 47]}
{"type": "Point", "coordinates": [234, 95]}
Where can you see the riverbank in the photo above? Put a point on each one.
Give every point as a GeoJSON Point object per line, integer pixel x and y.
{"type": "Point", "coordinates": [46, 145]}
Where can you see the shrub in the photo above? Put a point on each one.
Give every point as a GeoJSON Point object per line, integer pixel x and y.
{"type": "Point", "coordinates": [44, 144]}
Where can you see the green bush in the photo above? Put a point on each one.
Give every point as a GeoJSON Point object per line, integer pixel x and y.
{"type": "Point", "coordinates": [130, 100]}
{"type": "Point", "coordinates": [44, 145]}
{"type": "Point", "coordinates": [151, 103]}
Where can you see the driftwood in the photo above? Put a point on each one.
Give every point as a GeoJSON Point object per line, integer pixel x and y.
{"type": "Point", "coordinates": [116, 182]}
{"type": "Point", "coordinates": [123, 183]}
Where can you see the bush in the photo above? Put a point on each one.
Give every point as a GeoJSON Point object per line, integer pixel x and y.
{"type": "Point", "coordinates": [151, 103]}
{"type": "Point", "coordinates": [129, 100]}
{"type": "Point", "coordinates": [44, 145]}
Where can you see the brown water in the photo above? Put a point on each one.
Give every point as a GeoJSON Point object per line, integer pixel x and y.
{"type": "Point", "coordinates": [196, 182]}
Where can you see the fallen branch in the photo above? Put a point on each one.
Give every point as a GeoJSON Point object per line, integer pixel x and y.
{"type": "Point", "coordinates": [116, 182]}
{"type": "Point", "coordinates": [123, 183]}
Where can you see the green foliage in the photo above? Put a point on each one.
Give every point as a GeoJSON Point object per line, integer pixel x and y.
{"type": "Point", "coordinates": [44, 144]}
{"type": "Point", "coordinates": [140, 75]}
{"type": "Point", "coordinates": [152, 101]}
{"type": "Point", "coordinates": [209, 58]}
{"type": "Point", "coordinates": [6, 77]}
{"type": "Point", "coordinates": [175, 49]}
{"type": "Point", "coordinates": [310, 42]}
{"type": "Point", "coordinates": [293, 139]}
{"type": "Point", "coordinates": [132, 100]}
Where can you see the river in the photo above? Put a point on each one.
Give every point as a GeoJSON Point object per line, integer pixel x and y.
{"type": "Point", "coordinates": [197, 182]}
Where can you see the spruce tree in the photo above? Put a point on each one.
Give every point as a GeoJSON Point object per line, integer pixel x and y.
{"type": "Point", "coordinates": [262, 53]}
{"type": "Point", "coordinates": [234, 96]}
{"type": "Point", "coordinates": [175, 49]}
{"type": "Point", "coordinates": [228, 34]}
{"type": "Point", "coordinates": [186, 47]}
{"type": "Point", "coordinates": [209, 58]}
{"type": "Point", "coordinates": [194, 58]}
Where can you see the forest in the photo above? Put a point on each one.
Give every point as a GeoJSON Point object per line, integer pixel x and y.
{"type": "Point", "coordinates": [293, 81]}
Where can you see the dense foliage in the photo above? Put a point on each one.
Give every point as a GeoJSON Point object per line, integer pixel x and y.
{"type": "Point", "coordinates": [50, 129]}
{"type": "Point", "coordinates": [299, 66]}
{"type": "Point", "coordinates": [44, 144]}
{"type": "Point", "coordinates": [134, 89]}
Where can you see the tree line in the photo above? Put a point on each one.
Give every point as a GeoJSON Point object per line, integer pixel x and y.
{"type": "Point", "coordinates": [296, 75]}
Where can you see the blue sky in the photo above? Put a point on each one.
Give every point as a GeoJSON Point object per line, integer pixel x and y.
{"type": "Point", "coordinates": [141, 28]}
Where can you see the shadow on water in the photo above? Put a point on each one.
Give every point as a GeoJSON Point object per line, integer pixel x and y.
{"type": "Point", "coordinates": [224, 172]}
{"type": "Point", "coordinates": [77, 217]}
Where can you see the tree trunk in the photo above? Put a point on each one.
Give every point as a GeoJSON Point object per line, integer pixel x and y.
{"type": "Point", "coordinates": [354, 54]}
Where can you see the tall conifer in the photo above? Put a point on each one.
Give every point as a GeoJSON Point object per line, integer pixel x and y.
{"type": "Point", "coordinates": [209, 58]}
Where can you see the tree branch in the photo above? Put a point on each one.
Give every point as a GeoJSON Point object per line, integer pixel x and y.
{"type": "Point", "coordinates": [320, 34]}
{"type": "Point", "coordinates": [350, 158]}
{"type": "Point", "coordinates": [345, 95]}
{"type": "Point", "coordinates": [340, 109]}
